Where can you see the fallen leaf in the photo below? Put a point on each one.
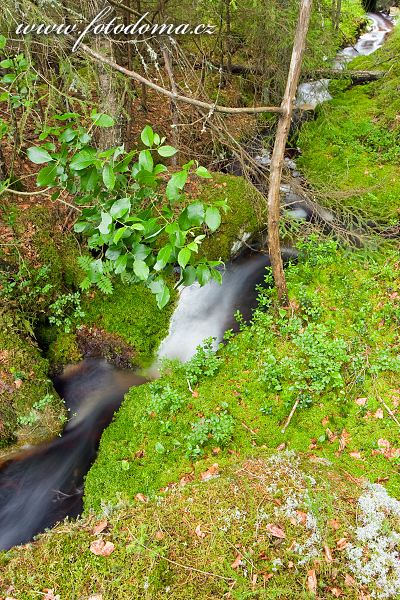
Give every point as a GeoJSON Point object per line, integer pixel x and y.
{"type": "Point", "coordinates": [18, 383]}
{"type": "Point", "coordinates": [99, 527]}
{"type": "Point", "coordinates": [199, 532]}
{"type": "Point", "coordinates": [312, 582]}
{"type": "Point", "coordinates": [337, 592]}
{"type": "Point", "coordinates": [216, 451]}
{"type": "Point", "coordinates": [237, 562]}
{"type": "Point", "coordinates": [330, 435]}
{"type": "Point", "coordinates": [342, 543]}
{"type": "Point", "coordinates": [349, 581]}
{"type": "Point", "coordinates": [281, 447]}
{"type": "Point", "coordinates": [343, 440]}
{"type": "Point", "coordinates": [361, 401]}
{"type": "Point", "coordinates": [195, 394]}
{"type": "Point", "coordinates": [325, 421]}
{"type": "Point", "coordinates": [356, 455]}
{"type": "Point", "coordinates": [101, 548]}
{"type": "Point", "coordinates": [96, 597]}
{"type": "Point", "coordinates": [141, 498]}
{"type": "Point", "coordinates": [211, 473]}
{"type": "Point", "coordinates": [302, 516]}
{"type": "Point", "coordinates": [328, 553]}
{"type": "Point", "coordinates": [275, 530]}
{"type": "Point", "coordinates": [49, 595]}
{"type": "Point", "coordinates": [160, 535]}
{"type": "Point", "coordinates": [378, 414]}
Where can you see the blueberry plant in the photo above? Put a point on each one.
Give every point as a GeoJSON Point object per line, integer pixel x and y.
{"type": "Point", "coordinates": [134, 213]}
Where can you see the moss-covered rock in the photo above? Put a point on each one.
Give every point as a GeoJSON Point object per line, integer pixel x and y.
{"type": "Point", "coordinates": [30, 409]}
{"type": "Point", "coordinates": [246, 215]}
{"type": "Point", "coordinates": [130, 313]}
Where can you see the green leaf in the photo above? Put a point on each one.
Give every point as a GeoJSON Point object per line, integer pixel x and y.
{"type": "Point", "coordinates": [189, 275]}
{"type": "Point", "coordinates": [159, 169]}
{"type": "Point", "coordinates": [203, 274]}
{"type": "Point", "coordinates": [80, 226]}
{"type": "Point", "coordinates": [159, 448]}
{"type": "Point", "coordinates": [85, 158]}
{"type": "Point", "coordinates": [3, 41]}
{"type": "Point", "coordinates": [7, 63]}
{"type": "Point", "coordinates": [203, 172]}
{"type": "Point", "coordinates": [120, 207]}
{"type": "Point", "coordinates": [67, 135]}
{"type": "Point", "coordinates": [120, 264]}
{"type": "Point", "coordinates": [66, 116]}
{"type": "Point", "coordinates": [47, 176]}
{"type": "Point", "coordinates": [89, 179]}
{"type": "Point", "coordinates": [140, 269]}
{"type": "Point", "coordinates": [146, 160]}
{"type": "Point", "coordinates": [163, 297]}
{"type": "Point", "coordinates": [108, 176]}
{"type": "Point", "coordinates": [118, 234]}
{"type": "Point", "coordinates": [38, 155]}
{"type": "Point", "coordinates": [163, 257]}
{"type": "Point", "coordinates": [184, 257]}
{"type": "Point", "coordinates": [175, 184]}
{"type": "Point", "coordinates": [213, 218]}
{"type": "Point", "coordinates": [102, 120]}
{"type": "Point", "coordinates": [147, 136]}
{"type": "Point", "coordinates": [216, 275]}
{"type": "Point", "coordinates": [106, 220]}
{"type": "Point", "coordinates": [167, 151]}
{"type": "Point", "coordinates": [195, 213]}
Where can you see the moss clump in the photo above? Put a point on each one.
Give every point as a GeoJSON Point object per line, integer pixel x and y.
{"type": "Point", "coordinates": [132, 314]}
{"type": "Point", "coordinates": [351, 152]}
{"type": "Point", "coordinates": [245, 216]}
{"type": "Point", "coordinates": [64, 350]}
{"type": "Point", "coordinates": [29, 406]}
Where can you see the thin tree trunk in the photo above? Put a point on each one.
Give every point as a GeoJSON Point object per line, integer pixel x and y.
{"type": "Point", "coordinates": [279, 149]}
{"type": "Point", "coordinates": [174, 106]}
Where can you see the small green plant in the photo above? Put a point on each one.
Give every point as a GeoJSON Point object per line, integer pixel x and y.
{"type": "Point", "coordinates": [164, 399]}
{"type": "Point", "coordinates": [27, 289]}
{"type": "Point", "coordinates": [34, 414]}
{"type": "Point", "coordinates": [66, 311]}
{"type": "Point", "coordinates": [135, 217]}
{"type": "Point", "coordinates": [217, 429]}
{"type": "Point", "coordinates": [204, 363]}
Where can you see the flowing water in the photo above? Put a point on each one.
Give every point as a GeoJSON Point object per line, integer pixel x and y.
{"type": "Point", "coordinates": [312, 93]}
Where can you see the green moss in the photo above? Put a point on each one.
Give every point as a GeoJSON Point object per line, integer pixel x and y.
{"type": "Point", "coordinates": [351, 152]}
{"type": "Point", "coordinates": [143, 452]}
{"type": "Point", "coordinates": [64, 350]}
{"type": "Point", "coordinates": [132, 314]}
{"type": "Point", "coordinates": [246, 213]}
{"type": "Point", "coordinates": [24, 383]}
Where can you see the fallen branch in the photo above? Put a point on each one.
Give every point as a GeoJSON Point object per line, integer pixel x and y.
{"type": "Point", "coordinates": [356, 77]}
{"type": "Point", "coordinates": [178, 97]}
{"type": "Point", "coordinates": [295, 405]}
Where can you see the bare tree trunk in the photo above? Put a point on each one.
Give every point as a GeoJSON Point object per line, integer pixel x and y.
{"type": "Point", "coordinates": [174, 107]}
{"type": "Point", "coordinates": [279, 149]}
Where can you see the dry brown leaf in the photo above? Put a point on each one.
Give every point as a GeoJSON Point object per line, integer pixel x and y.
{"type": "Point", "coordinates": [211, 473]}
{"type": "Point", "coordinates": [237, 562]}
{"type": "Point", "coordinates": [49, 595]}
{"type": "Point", "coordinates": [349, 581]}
{"type": "Point", "coordinates": [96, 597]}
{"type": "Point", "coordinates": [343, 440]}
{"type": "Point", "coordinates": [328, 553]}
{"type": "Point", "coordinates": [275, 530]}
{"type": "Point", "coordinates": [216, 451]}
{"type": "Point", "coordinates": [312, 582]}
{"type": "Point", "coordinates": [361, 401]}
{"type": "Point", "coordinates": [281, 447]}
{"type": "Point", "coordinates": [141, 498]}
{"type": "Point", "coordinates": [302, 516]}
{"type": "Point", "coordinates": [99, 527]}
{"type": "Point", "coordinates": [195, 394]}
{"type": "Point", "coordinates": [378, 414]}
{"type": "Point", "coordinates": [199, 532]}
{"type": "Point", "coordinates": [342, 543]}
{"type": "Point", "coordinates": [356, 455]}
{"type": "Point", "coordinates": [101, 548]}
{"type": "Point", "coordinates": [325, 421]}
{"type": "Point", "coordinates": [330, 435]}
{"type": "Point", "coordinates": [18, 383]}
{"type": "Point", "coordinates": [337, 592]}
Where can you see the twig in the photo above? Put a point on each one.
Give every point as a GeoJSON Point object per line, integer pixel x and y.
{"type": "Point", "coordinates": [395, 419]}
{"type": "Point", "coordinates": [295, 405]}
{"type": "Point", "coordinates": [18, 193]}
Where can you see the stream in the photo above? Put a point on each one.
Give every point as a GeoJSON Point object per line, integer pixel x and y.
{"type": "Point", "coordinates": [42, 485]}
